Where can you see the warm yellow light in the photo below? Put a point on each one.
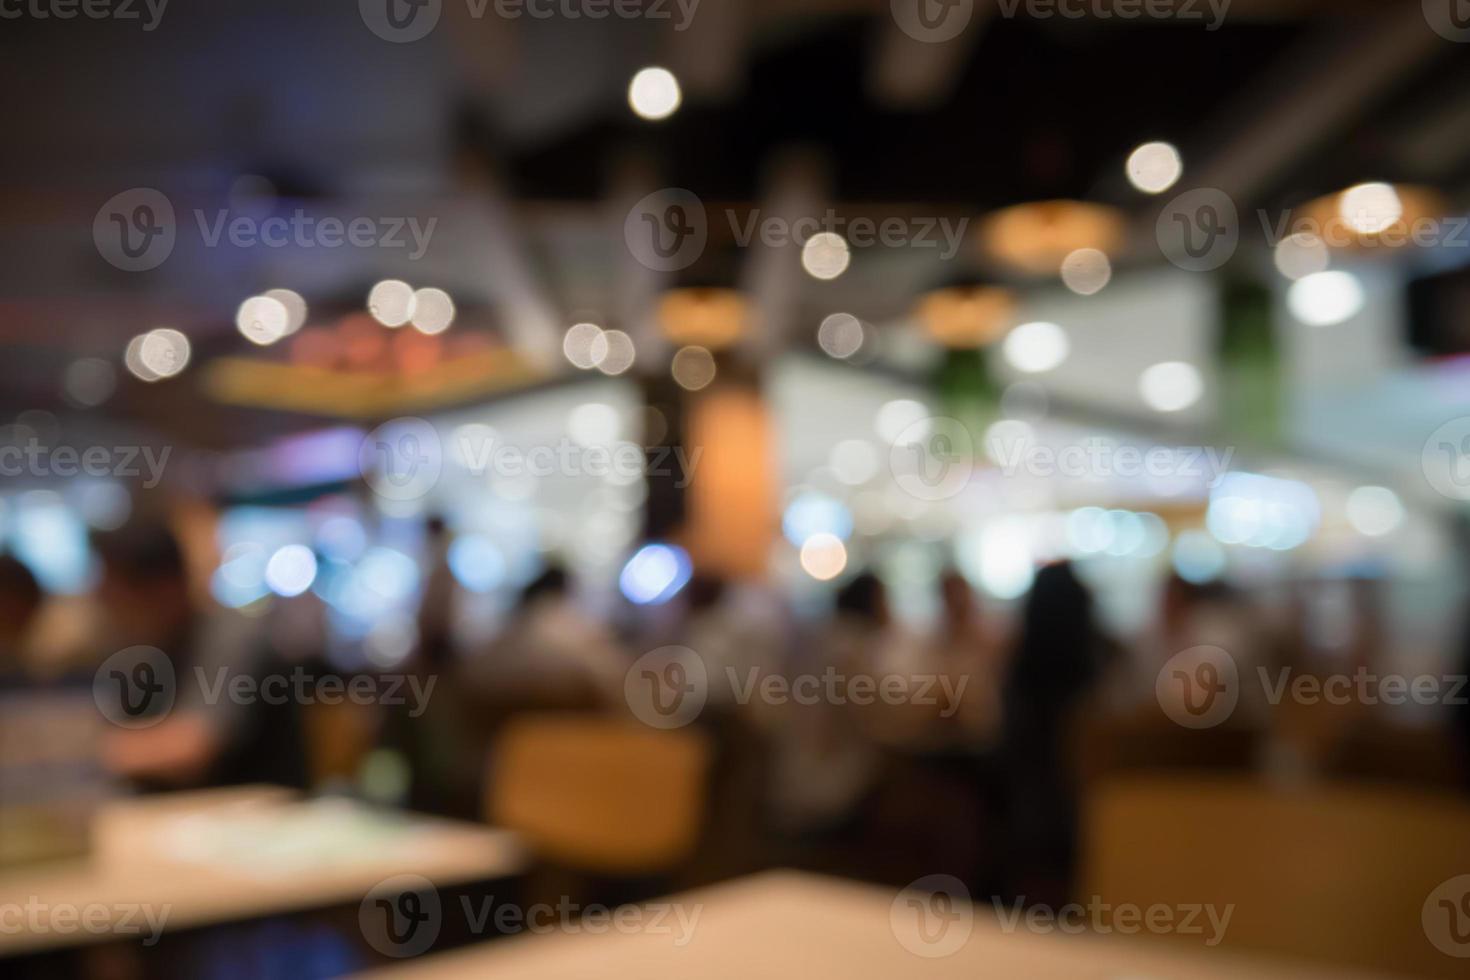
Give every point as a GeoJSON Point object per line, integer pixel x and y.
{"type": "Point", "coordinates": [823, 556]}
{"type": "Point", "coordinates": [1086, 271]}
{"type": "Point", "coordinates": [584, 345]}
{"type": "Point", "coordinates": [619, 354]}
{"type": "Point", "coordinates": [391, 302]}
{"type": "Point", "coordinates": [1035, 237]}
{"type": "Point", "coordinates": [157, 354]}
{"type": "Point", "coordinates": [295, 307]}
{"type": "Point", "coordinates": [1154, 167]}
{"type": "Point", "coordinates": [825, 255]}
{"type": "Point", "coordinates": [654, 93]}
{"type": "Point", "coordinates": [840, 335]}
{"type": "Point", "coordinates": [1373, 216]}
{"type": "Point", "coordinates": [704, 317]}
{"type": "Point", "coordinates": [1300, 254]}
{"type": "Point", "coordinates": [1370, 208]}
{"type": "Point", "coordinates": [693, 368]}
{"type": "Point", "coordinates": [263, 320]}
{"type": "Point", "coordinates": [966, 316]}
{"type": "Point", "coordinates": [433, 311]}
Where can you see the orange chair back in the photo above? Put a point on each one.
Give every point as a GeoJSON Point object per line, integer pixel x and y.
{"type": "Point", "coordinates": [1339, 874]}
{"type": "Point", "coordinates": [599, 794]}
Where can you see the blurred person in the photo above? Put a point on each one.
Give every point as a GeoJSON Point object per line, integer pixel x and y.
{"type": "Point", "coordinates": [1194, 615]}
{"type": "Point", "coordinates": [825, 764]}
{"type": "Point", "coordinates": [21, 599]}
{"type": "Point", "coordinates": [1335, 631]}
{"type": "Point", "coordinates": [1056, 665]}
{"type": "Point", "coordinates": [738, 631]}
{"type": "Point", "coordinates": [552, 653]}
{"type": "Point", "coordinates": [435, 739]}
{"type": "Point", "coordinates": [964, 647]}
{"type": "Point", "coordinates": [206, 737]}
{"type": "Point", "coordinates": [734, 637]}
{"type": "Point", "coordinates": [1460, 713]}
{"type": "Point", "coordinates": [436, 608]}
{"type": "Point", "coordinates": [550, 656]}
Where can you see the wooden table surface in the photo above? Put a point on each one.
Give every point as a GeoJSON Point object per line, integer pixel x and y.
{"type": "Point", "coordinates": [176, 850]}
{"type": "Point", "coordinates": [783, 924]}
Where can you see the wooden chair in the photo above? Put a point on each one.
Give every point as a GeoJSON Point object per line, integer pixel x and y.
{"type": "Point", "coordinates": [1383, 753]}
{"type": "Point", "coordinates": [1339, 874]}
{"type": "Point", "coordinates": [1143, 741]}
{"type": "Point", "coordinates": [600, 795]}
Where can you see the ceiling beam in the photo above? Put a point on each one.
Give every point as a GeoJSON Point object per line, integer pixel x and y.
{"type": "Point", "coordinates": [908, 73]}
{"type": "Point", "coordinates": [1313, 93]}
{"type": "Point", "coordinates": [797, 187]}
{"type": "Point", "coordinates": [636, 287]}
{"type": "Point", "coordinates": [707, 54]}
{"type": "Point", "coordinates": [531, 318]}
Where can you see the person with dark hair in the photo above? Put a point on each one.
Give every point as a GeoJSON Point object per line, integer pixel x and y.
{"type": "Point", "coordinates": [829, 765]}
{"type": "Point", "coordinates": [1057, 662]}
{"type": "Point", "coordinates": [704, 591]}
{"type": "Point", "coordinates": [432, 737]}
{"type": "Point", "coordinates": [1459, 713]}
{"type": "Point", "coordinates": [864, 598]}
{"type": "Point", "coordinates": [552, 583]}
{"type": "Point", "coordinates": [964, 649]}
{"type": "Point", "coordinates": [20, 603]}
{"type": "Point", "coordinates": [436, 607]}
{"type": "Point", "coordinates": [206, 736]}
{"type": "Point", "coordinates": [144, 591]}
{"type": "Point", "coordinates": [736, 633]}
{"type": "Point", "coordinates": [552, 652]}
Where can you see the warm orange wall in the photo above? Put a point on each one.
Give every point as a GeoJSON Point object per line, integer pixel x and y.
{"type": "Point", "coordinates": [733, 499]}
